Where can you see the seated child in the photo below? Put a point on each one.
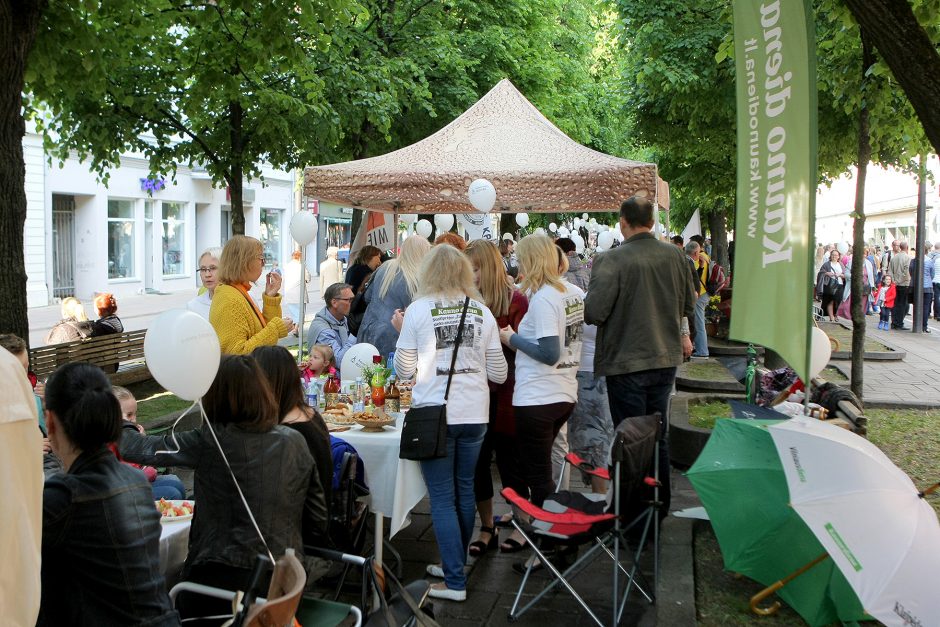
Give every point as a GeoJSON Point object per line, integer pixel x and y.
{"type": "Point", "coordinates": [319, 363]}
{"type": "Point", "coordinates": [164, 486]}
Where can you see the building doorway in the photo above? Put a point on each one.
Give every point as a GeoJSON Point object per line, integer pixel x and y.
{"type": "Point", "coordinates": [63, 246]}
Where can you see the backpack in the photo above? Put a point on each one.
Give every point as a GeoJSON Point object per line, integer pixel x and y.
{"type": "Point", "coordinates": [717, 280]}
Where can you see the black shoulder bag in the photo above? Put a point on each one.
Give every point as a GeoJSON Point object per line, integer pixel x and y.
{"type": "Point", "coordinates": [424, 431]}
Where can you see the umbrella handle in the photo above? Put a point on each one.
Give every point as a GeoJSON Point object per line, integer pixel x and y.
{"type": "Point", "coordinates": [932, 488]}
{"type": "Point", "coordinates": [766, 592]}
{"type": "Point", "coordinates": [763, 594]}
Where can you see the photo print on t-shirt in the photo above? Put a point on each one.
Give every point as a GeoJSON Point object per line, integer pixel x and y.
{"type": "Point", "coordinates": [574, 331]}
{"type": "Point", "coordinates": [445, 316]}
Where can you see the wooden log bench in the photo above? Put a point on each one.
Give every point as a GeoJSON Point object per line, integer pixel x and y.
{"type": "Point", "coordinates": [121, 355]}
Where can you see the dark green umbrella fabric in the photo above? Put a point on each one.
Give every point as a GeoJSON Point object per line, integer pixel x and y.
{"type": "Point", "coordinates": [741, 483]}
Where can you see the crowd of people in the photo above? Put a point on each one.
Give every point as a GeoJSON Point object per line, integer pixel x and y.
{"type": "Point", "coordinates": [890, 282]}
{"type": "Point", "coordinates": [538, 350]}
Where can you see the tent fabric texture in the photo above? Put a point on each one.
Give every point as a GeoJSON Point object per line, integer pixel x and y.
{"type": "Point", "coordinates": [532, 164]}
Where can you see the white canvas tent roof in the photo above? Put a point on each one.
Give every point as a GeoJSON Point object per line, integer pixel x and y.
{"type": "Point", "coordinates": [504, 138]}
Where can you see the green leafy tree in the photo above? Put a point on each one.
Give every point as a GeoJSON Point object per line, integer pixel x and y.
{"type": "Point", "coordinates": [225, 84]}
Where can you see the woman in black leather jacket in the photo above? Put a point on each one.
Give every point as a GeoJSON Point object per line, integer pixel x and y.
{"type": "Point", "coordinates": [100, 531]}
{"type": "Point", "coordinates": [272, 465]}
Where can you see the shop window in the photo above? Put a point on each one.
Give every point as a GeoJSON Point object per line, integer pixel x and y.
{"type": "Point", "coordinates": [271, 236]}
{"type": "Point", "coordinates": [120, 239]}
{"type": "Point", "coordinates": [173, 226]}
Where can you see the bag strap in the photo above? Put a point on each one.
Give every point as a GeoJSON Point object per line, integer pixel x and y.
{"type": "Point", "coordinates": [453, 359]}
{"type": "Point", "coordinates": [420, 616]}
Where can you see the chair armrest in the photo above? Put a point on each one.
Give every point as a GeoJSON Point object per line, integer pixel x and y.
{"type": "Point", "coordinates": [336, 556]}
{"type": "Point", "coordinates": [209, 591]}
{"type": "Point", "coordinates": [575, 460]}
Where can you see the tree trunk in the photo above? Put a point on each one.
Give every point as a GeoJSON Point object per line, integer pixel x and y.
{"type": "Point", "coordinates": [236, 159]}
{"type": "Point", "coordinates": [858, 243]}
{"type": "Point", "coordinates": [719, 236]}
{"type": "Point", "coordinates": [18, 24]}
{"type": "Point", "coordinates": [893, 29]}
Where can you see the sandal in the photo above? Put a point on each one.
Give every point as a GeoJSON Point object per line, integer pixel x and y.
{"type": "Point", "coordinates": [479, 547]}
{"type": "Point", "coordinates": [502, 521]}
{"type": "Point", "coordinates": [512, 546]}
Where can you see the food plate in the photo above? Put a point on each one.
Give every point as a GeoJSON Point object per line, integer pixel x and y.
{"type": "Point", "coordinates": [175, 510]}
{"type": "Point", "coordinates": [373, 424]}
{"type": "Point", "coordinates": [340, 414]}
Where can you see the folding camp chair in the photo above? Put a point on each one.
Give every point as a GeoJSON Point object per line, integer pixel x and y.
{"type": "Point", "coordinates": [348, 515]}
{"type": "Point", "coordinates": [571, 519]}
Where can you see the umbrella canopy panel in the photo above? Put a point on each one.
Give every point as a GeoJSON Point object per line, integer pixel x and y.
{"type": "Point", "coordinates": [504, 138]}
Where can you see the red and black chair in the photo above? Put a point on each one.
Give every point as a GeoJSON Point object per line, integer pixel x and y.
{"type": "Point", "coordinates": [569, 520]}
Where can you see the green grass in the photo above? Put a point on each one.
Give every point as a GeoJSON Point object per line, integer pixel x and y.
{"type": "Point", "coordinates": [154, 402]}
{"type": "Point", "coordinates": [834, 375]}
{"type": "Point", "coordinates": [844, 336]}
{"type": "Point", "coordinates": [705, 371]}
{"type": "Point", "coordinates": [704, 415]}
{"type": "Point", "coordinates": [909, 438]}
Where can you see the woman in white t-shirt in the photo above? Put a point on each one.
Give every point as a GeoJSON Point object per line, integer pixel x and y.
{"type": "Point", "coordinates": [548, 353]}
{"type": "Point", "coordinates": [428, 332]}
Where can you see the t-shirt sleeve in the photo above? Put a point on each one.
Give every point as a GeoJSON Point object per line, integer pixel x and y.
{"type": "Point", "coordinates": [544, 317]}
{"type": "Point", "coordinates": [415, 317]}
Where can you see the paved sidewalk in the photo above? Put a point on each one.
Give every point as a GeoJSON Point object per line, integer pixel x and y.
{"type": "Point", "coordinates": [915, 379]}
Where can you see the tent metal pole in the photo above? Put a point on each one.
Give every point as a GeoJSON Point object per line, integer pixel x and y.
{"type": "Point", "coordinates": [395, 229]}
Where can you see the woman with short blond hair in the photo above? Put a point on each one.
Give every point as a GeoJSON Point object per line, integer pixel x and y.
{"type": "Point", "coordinates": [548, 353]}
{"type": "Point", "coordinates": [240, 325]}
{"type": "Point", "coordinates": [425, 349]}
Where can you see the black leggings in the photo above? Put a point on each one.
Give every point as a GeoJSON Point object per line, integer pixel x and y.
{"type": "Point", "coordinates": [507, 461]}
{"type": "Point", "coordinates": [536, 429]}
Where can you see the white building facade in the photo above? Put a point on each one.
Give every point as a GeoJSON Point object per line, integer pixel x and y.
{"type": "Point", "coordinates": [890, 206]}
{"type": "Point", "coordinates": [137, 235]}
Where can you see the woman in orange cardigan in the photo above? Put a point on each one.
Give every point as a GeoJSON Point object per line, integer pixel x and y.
{"type": "Point", "coordinates": [241, 327]}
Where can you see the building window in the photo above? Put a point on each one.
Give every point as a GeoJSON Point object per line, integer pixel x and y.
{"type": "Point", "coordinates": [120, 239]}
{"type": "Point", "coordinates": [271, 236]}
{"type": "Point", "coordinates": [174, 238]}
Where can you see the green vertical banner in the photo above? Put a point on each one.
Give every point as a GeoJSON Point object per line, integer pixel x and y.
{"type": "Point", "coordinates": [775, 60]}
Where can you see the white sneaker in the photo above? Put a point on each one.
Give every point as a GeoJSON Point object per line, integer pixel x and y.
{"type": "Point", "coordinates": [435, 570]}
{"type": "Point", "coordinates": [441, 591]}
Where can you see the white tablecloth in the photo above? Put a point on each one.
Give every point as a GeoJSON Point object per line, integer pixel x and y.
{"type": "Point", "coordinates": [396, 484]}
{"type": "Point", "coordinates": [174, 547]}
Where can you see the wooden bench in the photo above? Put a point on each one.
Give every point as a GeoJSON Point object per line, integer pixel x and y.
{"type": "Point", "coordinates": [121, 355]}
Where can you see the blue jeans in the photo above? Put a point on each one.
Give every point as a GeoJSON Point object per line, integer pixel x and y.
{"type": "Point", "coordinates": [642, 394]}
{"type": "Point", "coordinates": [168, 487]}
{"type": "Point", "coordinates": [936, 301]}
{"type": "Point", "coordinates": [453, 506]}
{"type": "Point", "coordinates": [701, 338]}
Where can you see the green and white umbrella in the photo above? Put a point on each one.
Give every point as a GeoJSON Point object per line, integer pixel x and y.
{"type": "Point", "coordinates": [868, 515]}
{"type": "Point", "coordinates": [741, 482]}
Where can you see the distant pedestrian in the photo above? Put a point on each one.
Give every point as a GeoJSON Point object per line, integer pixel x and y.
{"type": "Point", "coordinates": [209, 275]}
{"type": "Point", "coordinates": [296, 278]}
{"type": "Point", "coordinates": [331, 270]}
{"type": "Point", "coordinates": [900, 271]}
{"type": "Point", "coordinates": [885, 301]}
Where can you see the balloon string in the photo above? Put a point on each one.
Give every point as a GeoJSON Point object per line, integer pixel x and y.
{"type": "Point", "coordinates": [205, 421]}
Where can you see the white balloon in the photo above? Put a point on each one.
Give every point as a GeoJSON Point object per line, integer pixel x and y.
{"type": "Point", "coordinates": [482, 195]}
{"type": "Point", "coordinates": [605, 240]}
{"type": "Point", "coordinates": [303, 227]}
{"type": "Point", "coordinates": [552, 227]}
{"type": "Point", "coordinates": [443, 221]}
{"type": "Point", "coordinates": [408, 218]}
{"type": "Point", "coordinates": [540, 231]}
{"type": "Point", "coordinates": [522, 219]}
{"type": "Point", "coordinates": [182, 352]}
{"type": "Point", "coordinates": [584, 216]}
{"type": "Point", "coordinates": [820, 351]}
{"type": "Point", "coordinates": [423, 228]}
{"type": "Point", "coordinates": [578, 245]}
{"type": "Point", "coordinates": [563, 232]}
{"type": "Point", "coordinates": [355, 359]}
{"type": "Point", "coordinates": [843, 247]}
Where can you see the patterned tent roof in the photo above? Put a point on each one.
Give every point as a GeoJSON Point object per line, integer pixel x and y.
{"type": "Point", "coordinates": [504, 138]}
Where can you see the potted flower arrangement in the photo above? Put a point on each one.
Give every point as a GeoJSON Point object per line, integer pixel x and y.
{"type": "Point", "coordinates": [713, 316]}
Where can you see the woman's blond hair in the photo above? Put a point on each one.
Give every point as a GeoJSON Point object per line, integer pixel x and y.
{"type": "Point", "coordinates": [446, 271]}
{"type": "Point", "coordinates": [236, 258]}
{"type": "Point", "coordinates": [408, 264]}
{"type": "Point", "coordinates": [73, 308]}
{"type": "Point", "coordinates": [538, 263]}
{"type": "Point", "coordinates": [492, 280]}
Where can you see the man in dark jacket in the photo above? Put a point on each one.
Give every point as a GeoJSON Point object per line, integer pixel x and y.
{"type": "Point", "coordinates": [641, 298]}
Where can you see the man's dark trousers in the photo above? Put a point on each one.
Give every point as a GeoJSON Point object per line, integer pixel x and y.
{"type": "Point", "coordinates": [900, 306]}
{"type": "Point", "coordinates": [642, 394]}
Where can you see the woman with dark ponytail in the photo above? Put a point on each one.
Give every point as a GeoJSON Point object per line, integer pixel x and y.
{"type": "Point", "coordinates": [101, 531]}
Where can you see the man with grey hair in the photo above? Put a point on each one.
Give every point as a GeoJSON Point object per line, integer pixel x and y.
{"type": "Point", "coordinates": [329, 325]}
{"type": "Point", "coordinates": [693, 251]}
